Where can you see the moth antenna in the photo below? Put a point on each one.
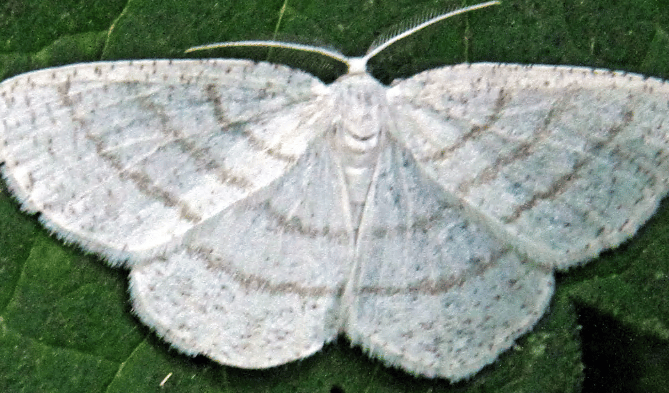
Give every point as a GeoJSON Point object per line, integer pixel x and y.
{"type": "Point", "coordinates": [354, 64]}
{"type": "Point", "coordinates": [333, 54]}
{"type": "Point", "coordinates": [403, 26]}
{"type": "Point", "coordinates": [418, 24]}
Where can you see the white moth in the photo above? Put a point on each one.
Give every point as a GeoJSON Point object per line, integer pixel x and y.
{"type": "Point", "coordinates": [262, 213]}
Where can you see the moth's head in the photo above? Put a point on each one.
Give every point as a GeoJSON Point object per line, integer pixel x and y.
{"type": "Point", "coordinates": [357, 65]}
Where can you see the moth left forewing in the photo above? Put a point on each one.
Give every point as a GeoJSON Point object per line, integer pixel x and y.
{"type": "Point", "coordinates": [124, 157]}
{"type": "Point", "coordinates": [564, 162]}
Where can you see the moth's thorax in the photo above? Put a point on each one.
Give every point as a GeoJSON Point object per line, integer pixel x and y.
{"type": "Point", "coordinates": [359, 129]}
{"type": "Point", "coordinates": [362, 112]}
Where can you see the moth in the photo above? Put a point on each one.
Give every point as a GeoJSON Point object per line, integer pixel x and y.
{"type": "Point", "coordinates": [262, 213]}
